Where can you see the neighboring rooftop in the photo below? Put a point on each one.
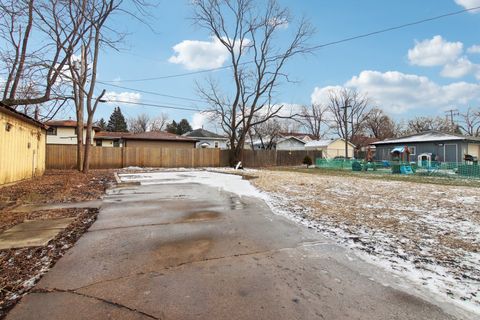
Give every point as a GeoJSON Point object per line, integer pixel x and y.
{"type": "Point", "coordinates": [67, 123]}
{"type": "Point", "coordinates": [112, 135]}
{"type": "Point", "coordinates": [157, 135]}
{"type": "Point", "coordinates": [323, 143]}
{"type": "Point", "coordinates": [202, 133]}
{"type": "Point", "coordinates": [14, 113]}
{"type": "Point", "coordinates": [299, 135]}
{"type": "Point", "coordinates": [428, 136]}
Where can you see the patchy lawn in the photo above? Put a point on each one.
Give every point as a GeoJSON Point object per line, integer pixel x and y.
{"type": "Point", "coordinates": [427, 232]}
{"type": "Point", "coordinates": [22, 268]}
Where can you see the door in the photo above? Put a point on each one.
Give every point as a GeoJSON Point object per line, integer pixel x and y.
{"type": "Point", "coordinates": [451, 153]}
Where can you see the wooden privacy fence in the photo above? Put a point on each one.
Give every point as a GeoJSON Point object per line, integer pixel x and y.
{"type": "Point", "coordinates": [65, 157]}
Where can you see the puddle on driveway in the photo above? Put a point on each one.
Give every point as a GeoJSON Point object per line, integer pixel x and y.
{"type": "Point", "coordinates": [200, 216]}
{"type": "Point", "coordinates": [184, 250]}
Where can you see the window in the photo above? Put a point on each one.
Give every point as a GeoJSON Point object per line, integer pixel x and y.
{"type": "Point", "coordinates": [216, 144]}
{"type": "Point", "coordinates": [116, 143]}
{"type": "Point", "coordinates": [98, 143]}
{"type": "Point", "coordinates": [52, 131]}
{"type": "Point", "coordinates": [413, 150]}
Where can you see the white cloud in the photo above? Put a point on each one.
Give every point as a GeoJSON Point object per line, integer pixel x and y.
{"type": "Point", "coordinates": [468, 4]}
{"type": "Point", "coordinates": [112, 96]}
{"type": "Point", "coordinates": [474, 49]}
{"type": "Point", "coordinates": [198, 55]}
{"type": "Point", "coordinates": [434, 52]}
{"type": "Point", "coordinates": [199, 120]}
{"type": "Point", "coordinates": [459, 68]}
{"type": "Point", "coordinates": [397, 92]}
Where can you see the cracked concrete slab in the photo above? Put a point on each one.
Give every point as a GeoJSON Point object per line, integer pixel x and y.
{"type": "Point", "coordinates": [189, 251]}
{"type": "Point", "coordinates": [95, 204]}
{"type": "Point", "coordinates": [32, 233]}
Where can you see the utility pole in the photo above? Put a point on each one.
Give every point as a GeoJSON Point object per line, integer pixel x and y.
{"type": "Point", "coordinates": [345, 124]}
{"type": "Point", "coordinates": [451, 113]}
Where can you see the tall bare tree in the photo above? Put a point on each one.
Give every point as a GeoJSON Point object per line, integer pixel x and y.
{"type": "Point", "coordinates": [470, 122]}
{"type": "Point", "coordinates": [159, 123]}
{"type": "Point", "coordinates": [248, 30]}
{"type": "Point", "coordinates": [379, 125]}
{"type": "Point", "coordinates": [139, 124]}
{"type": "Point", "coordinates": [349, 111]}
{"type": "Point", "coordinates": [422, 124]}
{"type": "Point", "coordinates": [313, 119]}
{"type": "Point", "coordinates": [39, 38]}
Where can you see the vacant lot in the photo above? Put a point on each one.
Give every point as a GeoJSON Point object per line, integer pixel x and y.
{"type": "Point", "coordinates": [22, 268]}
{"type": "Point", "coordinates": [428, 232]}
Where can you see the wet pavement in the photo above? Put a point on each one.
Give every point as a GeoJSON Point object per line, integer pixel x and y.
{"type": "Point", "coordinates": [192, 251]}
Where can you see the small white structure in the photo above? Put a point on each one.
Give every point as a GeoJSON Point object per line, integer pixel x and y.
{"type": "Point", "coordinates": [425, 159]}
{"type": "Point", "coordinates": [330, 148]}
{"type": "Point", "coordinates": [290, 144]}
{"type": "Point", "coordinates": [207, 139]}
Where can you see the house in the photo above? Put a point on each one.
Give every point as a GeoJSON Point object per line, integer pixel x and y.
{"type": "Point", "coordinates": [207, 139]}
{"type": "Point", "coordinates": [330, 148]}
{"type": "Point", "coordinates": [65, 132]}
{"type": "Point", "coordinates": [158, 139]}
{"type": "Point", "coordinates": [110, 139]}
{"type": "Point", "coordinates": [299, 135]}
{"type": "Point", "coordinates": [290, 144]}
{"type": "Point", "coordinates": [443, 147]}
{"type": "Point", "coordinates": [22, 146]}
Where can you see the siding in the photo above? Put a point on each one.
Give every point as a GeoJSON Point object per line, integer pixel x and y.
{"type": "Point", "coordinates": [22, 150]}
{"type": "Point", "coordinates": [437, 148]}
{"type": "Point", "coordinates": [66, 135]}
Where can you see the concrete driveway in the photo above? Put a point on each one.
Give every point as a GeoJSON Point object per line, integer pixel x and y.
{"type": "Point", "coordinates": [193, 251]}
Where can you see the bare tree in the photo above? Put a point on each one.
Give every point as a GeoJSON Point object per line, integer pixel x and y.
{"type": "Point", "coordinates": [248, 31]}
{"type": "Point", "coordinates": [313, 119]}
{"type": "Point", "coordinates": [470, 122]}
{"type": "Point", "coordinates": [379, 125]}
{"type": "Point", "coordinates": [37, 64]}
{"type": "Point", "coordinates": [267, 133]}
{"type": "Point", "coordinates": [422, 124]}
{"type": "Point", "coordinates": [159, 123]}
{"type": "Point", "coordinates": [139, 124]}
{"type": "Point", "coordinates": [349, 111]}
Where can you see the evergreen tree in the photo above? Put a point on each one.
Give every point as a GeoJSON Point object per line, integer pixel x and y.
{"type": "Point", "coordinates": [179, 128]}
{"type": "Point", "coordinates": [183, 127]}
{"type": "Point", "coordinates": [172, 127]}
{"type": "Point", "coordinates": [117, 121]}
{"type": "Point", "coordinates": [102, 124]}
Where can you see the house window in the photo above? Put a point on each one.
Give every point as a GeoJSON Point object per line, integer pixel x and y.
{"type": "Point", "coordinates": [413, 150]}
{"type": "Point", "coordinates": [98, 143]}
{"type": "Point", "coordinates": [216, 144]}
{"type": "Point", "coordinates": [52, 131]}
{"type": "Point", "coordinates": [116, 143]}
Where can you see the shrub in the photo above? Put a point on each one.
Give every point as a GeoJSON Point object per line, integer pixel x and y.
{"type": "Point", "coordinates": [307, 160]}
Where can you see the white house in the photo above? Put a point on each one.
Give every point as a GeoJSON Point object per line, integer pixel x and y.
{"type": "Point", "coordinates": [65, 132]}
{"type": "Point", "coordinates": [330, 148]}
{"type": "Point", "coordinates": [207, 139]}
{"type": "Point", "coordinates": [291, 144]}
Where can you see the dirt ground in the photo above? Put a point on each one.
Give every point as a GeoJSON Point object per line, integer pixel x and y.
{"type": "Point", "coordinates": [22, 268]}
{"type": "Point", "coordinates": [428, 232]}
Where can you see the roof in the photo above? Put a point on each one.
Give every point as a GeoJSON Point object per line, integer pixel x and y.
{"type": "Point", "coordinates": [323, 143]}
{"type": "Point", "coordinates": [428, 136]}
{"type": "Point", "coordinates": [202, 133]}
{"type": "Point", "coordinates": [159, 136]}
{"type": "Point", "coordinates": [21, 116]}
{"type": "Point", "coordinates": [297, 135]}
{"type": "Point", "coordinates": [67, 123]}
{"type": "Point", "coordinates": [111, 135]}
{"type": "Point", "coordinates": [291, 137]}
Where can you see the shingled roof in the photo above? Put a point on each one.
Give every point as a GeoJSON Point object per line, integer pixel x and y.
{"type": "Point", "coordinates": [202, 133]}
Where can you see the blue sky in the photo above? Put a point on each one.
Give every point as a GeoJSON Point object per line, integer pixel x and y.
{"type": "Point", "coordinates": [420, 70]}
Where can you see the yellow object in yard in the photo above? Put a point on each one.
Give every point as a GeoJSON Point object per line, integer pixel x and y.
{"type": "Point", "coordinates": [22, 146]}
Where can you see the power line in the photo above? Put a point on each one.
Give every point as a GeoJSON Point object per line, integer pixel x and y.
{"type": "Point", "coordinates": [150, 92]}
{"type": "Point", "coordinates": [154, 105]}
{"type": "Point", "coordinates": [360, 36]}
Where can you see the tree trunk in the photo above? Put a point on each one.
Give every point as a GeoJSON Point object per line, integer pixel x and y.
{"type": "Point", "coordinates": [86, 159]}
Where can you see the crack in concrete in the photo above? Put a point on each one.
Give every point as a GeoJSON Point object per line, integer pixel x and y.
{"type": "Point", "coordinates": [115, 304]}
{"type": "Point", "coordinates": [152, 225]}
{"type": "Point", "coordinates": [301, 245]}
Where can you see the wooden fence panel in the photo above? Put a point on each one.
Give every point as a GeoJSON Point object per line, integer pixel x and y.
{"type": "Point", "coordinates": [65, 157]}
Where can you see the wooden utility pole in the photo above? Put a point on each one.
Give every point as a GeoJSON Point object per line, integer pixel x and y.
{"type": "Point", "coordinates": [452, 113]}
